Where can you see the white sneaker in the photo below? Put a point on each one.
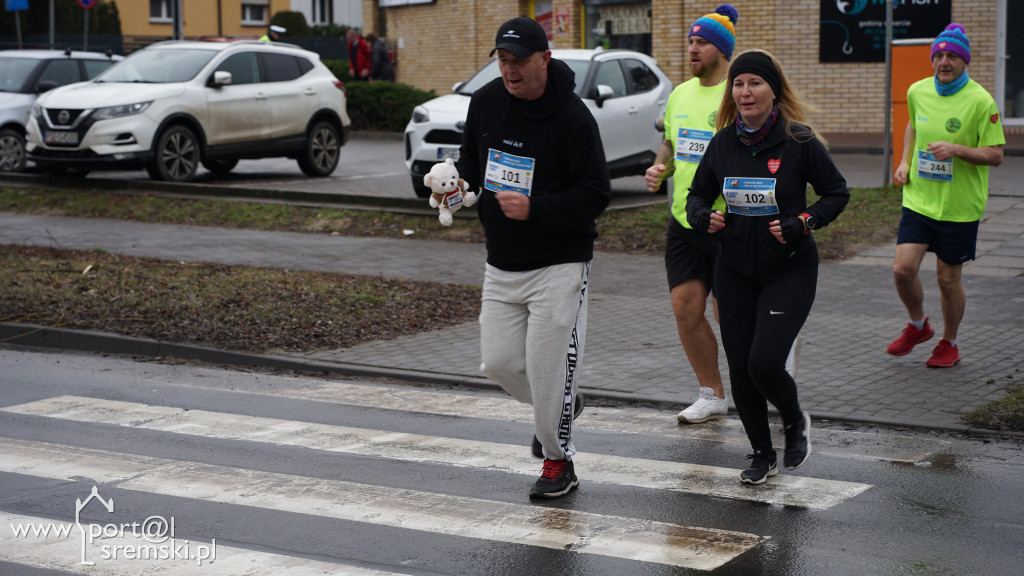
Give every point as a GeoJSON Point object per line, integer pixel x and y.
{"type": "Point", "coordinates": [706, 407]}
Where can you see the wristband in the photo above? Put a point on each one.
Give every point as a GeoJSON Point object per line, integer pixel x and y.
{"type": "Point", "coordinates": [806, 227]}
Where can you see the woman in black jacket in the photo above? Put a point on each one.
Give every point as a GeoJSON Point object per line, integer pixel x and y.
{"type": "Point", "coordinates": [761, 160]}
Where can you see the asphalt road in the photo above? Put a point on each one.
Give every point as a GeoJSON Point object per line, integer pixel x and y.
{"type": "Point", "coordinates": [276, 474]}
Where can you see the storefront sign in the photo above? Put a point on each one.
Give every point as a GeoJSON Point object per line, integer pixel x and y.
{"type": "Point", "coordinates": [627, 18]}
{"type": "Point", "coordinates": [854, 30]}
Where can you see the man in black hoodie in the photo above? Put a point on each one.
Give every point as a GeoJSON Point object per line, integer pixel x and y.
{"type": "Point", "coordinates": [533, 151]}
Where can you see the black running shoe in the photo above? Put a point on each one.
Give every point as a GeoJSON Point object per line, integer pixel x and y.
{"type": "Point", "coordinates": [763, 464]}
{"type": "Point", "coordinates": [558, 478]}
{"type": "Point", "coordinates": [798, 442]}
{"type": "Point", "coordinates": [577, 409]}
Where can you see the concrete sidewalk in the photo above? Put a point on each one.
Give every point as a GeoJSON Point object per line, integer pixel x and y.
{"type": "Point", "coordinates": [633, 351]}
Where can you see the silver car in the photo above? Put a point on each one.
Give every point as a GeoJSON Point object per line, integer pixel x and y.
{"type": "Point", "coordinates": [24, 75]}
{"type": "Point", "coordinates": [626, 92]}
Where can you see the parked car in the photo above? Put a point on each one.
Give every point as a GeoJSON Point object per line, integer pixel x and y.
{"type": "Point", "coordinates": [24, 75]}
{"type": "Point", "coordinates": [625, 90]}
{"type": "Point", "coordinates": [177, 104]}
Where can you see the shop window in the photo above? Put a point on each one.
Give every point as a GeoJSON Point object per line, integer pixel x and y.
{"type": "Point", "coordinates": [617, 24]}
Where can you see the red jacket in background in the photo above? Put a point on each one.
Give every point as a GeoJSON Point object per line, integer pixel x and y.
{"type": "Point", "coordinates": [359, 58]}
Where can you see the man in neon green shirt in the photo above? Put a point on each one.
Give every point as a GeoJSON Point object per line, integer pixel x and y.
{"type": "Point", "coordinates": [953, 136]}
{"type": "Point", "coordinates": [690, 255]}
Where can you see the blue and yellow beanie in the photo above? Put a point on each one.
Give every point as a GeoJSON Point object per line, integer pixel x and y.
{"type": "Point", "coordinates": [953, 39]}
{"type": "Point", "coordinates": [719, 28]}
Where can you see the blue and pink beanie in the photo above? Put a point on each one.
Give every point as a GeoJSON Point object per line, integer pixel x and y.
{"type": "Point", "coordinates": [719, 28]}
{"type": "Point", "coordinates": [953, 39]}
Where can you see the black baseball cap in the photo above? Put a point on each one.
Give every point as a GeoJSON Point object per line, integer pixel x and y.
{"type": "Point", "coordinates": [521, 36]}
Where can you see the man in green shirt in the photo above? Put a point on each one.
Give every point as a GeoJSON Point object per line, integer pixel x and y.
{"type": "Point", "coordinates": [690, 255]}
{"type": "Point", "coordinates": [953, 136]}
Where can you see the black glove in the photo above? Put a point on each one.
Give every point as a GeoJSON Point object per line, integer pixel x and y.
{"type": "Point", "coordinates": [700, 220]}
{"type": "Point", "coordinates": [792, 229]}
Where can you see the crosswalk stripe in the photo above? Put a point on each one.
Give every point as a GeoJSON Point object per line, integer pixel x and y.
{"type": "Point", "coordinates": [65, 554]}
{"type": "Point", "coordinates": [555, 528]}
{"type": "Point", "coordinates": [785, 489]}
{"type": "Point", "coordinates": [840, 443]}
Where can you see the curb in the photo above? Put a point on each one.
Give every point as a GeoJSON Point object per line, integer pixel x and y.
{"type": "Point", "coordinates": [34, 336]}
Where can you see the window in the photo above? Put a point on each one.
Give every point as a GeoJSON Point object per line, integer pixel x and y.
{"type": "Point", "coordinates": [61, 71]}
{"type": "Point", "coordinates": [254, 12]}
{"type": "Point", "coordinates": [94, 67]}
{"type": "Point", "coordinates": [323, 11]}
{"type": "Point", "coordinates": [243, 67]}
{"type": "Point", "coordinates": [641, 77]}
{"type": "Point", "coordinates": [160, 10]}
{"type": "Point", "coordinates": [280, 67]}
{"type": "Point", "coordinates": [610, 74]}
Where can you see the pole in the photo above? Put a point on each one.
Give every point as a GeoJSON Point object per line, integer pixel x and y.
{"type": "Point", "coordinates": [17, 25]}
{"type": "Point", "coordinates": [888, 93]}
{"type": "Point", "coordinates": [52, 43]}
{"type": "Point", "coordinates": [85, 34]}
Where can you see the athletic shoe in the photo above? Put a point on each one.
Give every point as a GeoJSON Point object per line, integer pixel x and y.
{"type": "Point", "coordinates": [798, 442]}
{"type": "Point", "coordinates": [577, 409]}
{"type": "Point", "coordinates": [706, 407]}
{"type": "Point", "coordinates": [557, 478]}
{"type": "Point", "coordinates": [944, 355]}
{"type": "Point", "coordinates": [911, 337]}
{"type": "Point", "coordinates": [763, 464]}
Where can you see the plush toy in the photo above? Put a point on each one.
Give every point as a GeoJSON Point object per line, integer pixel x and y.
{"type": "Point", "coordinates": [447, 191]}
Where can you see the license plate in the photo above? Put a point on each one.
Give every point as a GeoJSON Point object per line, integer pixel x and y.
{"type": "Point", "coordinates": [445, 153]}
{"type": "Point", "coordinates": [62, 138]}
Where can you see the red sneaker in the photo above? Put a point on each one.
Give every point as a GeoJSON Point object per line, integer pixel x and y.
{"type": "Point", "coordinates": [911, 337]}
{"type": "Point", "coordinates": [944, 355]}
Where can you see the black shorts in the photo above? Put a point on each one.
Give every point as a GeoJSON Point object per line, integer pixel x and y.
{"type": "Point", "coordinates": [689, 254]}
{"type": "Point", "coordinates": [953, 242]}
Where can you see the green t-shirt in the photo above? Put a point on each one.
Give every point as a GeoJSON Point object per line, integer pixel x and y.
{"type": "Point", "coordinates": [952, 191]}
{"type": "Point", "coordinates": [689, 126]}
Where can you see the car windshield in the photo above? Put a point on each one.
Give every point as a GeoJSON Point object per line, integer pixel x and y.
{"type": "Point", "coordinates": [490, 72]}
{"type": "Point", "coordinates": [14, 73]}
{"type": "Point", "coordinates": [162, 65]}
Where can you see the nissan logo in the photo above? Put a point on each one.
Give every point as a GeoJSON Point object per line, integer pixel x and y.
{"type": "Point", "coordinates": [460, 125]}
{"type": "Point", "coordinates": [64, 116]}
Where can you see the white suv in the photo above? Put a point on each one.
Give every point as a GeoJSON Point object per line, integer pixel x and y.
{"type": "Point", "coordinates": [626, 92]}
{"type": "Point", "coordinates": [176, 104]}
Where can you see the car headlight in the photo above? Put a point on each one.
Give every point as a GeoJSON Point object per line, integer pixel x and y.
{"type": "Point", "coordinates": [37, 110]}
{"type": "Point", "coordinates": [118, 111]}
{"type": "Point", "coordinates": [420, 115]}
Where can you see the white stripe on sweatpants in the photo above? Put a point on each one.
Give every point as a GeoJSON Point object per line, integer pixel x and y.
{"type": "Point", "coordinates": [554, 528]}
{"type": "Point", "coordinates": [533, 328]}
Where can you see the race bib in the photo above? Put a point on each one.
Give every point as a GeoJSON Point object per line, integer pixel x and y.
{"type": "Point", "coordinates": [691, 144]}
{"type": "Point", "coordinates": [508, 173]}
{"type": "Point", "coordinates": [931, 169]}
{"type": "Point", "coordinates": [750, 196]}
{"type": "Point", "coordinates": [454, 199]}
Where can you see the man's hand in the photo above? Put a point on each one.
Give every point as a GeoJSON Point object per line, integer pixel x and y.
{"type": "Point", "coordinates": [900, 177]}
{"type": "Point", "coordinates": [514, 205]}
{"type": "Point", "coordinates": [943, 150]}
{"type": "Point", "coordinates": [653, 177]}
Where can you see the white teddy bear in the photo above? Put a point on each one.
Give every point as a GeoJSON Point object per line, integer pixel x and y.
{"type": "Point", "coordinates": [448, 191]}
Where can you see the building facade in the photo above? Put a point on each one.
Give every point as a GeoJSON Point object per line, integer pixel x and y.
{"type": "Point", "coordinates": [441, 42]}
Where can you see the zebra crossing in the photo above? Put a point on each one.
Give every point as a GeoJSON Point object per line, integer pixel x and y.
{"type": "Point", "coordinates": [421, 511]}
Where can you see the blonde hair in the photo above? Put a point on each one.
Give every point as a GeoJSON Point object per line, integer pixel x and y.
{"type": "Point", "coordinates": [792, 110]}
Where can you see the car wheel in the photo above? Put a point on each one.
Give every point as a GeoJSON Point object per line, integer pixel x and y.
{"type": "Point", "coordinates": [220, 166]}
{"type": "Point", "coordinates": [323, 150]}
{"type": "Point", "coordinates": [176, 155]}
{"type": "Point", "coordinates": [421, 190]}
{"type": "Point", "coordinates": [12, 151]}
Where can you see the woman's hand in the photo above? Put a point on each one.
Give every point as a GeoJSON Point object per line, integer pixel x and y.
{"type": "Point", "coordinates": [717, 221]}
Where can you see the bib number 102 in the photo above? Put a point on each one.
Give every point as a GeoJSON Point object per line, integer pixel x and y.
{"type": "Point", "coordinates": [755, 198]}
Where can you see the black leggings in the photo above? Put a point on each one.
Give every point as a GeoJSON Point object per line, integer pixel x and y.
{"type": "Point", "coordinates": [760, 320]}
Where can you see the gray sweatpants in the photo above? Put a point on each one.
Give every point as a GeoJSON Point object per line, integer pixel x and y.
{"type": "Point", "coordinates": [532, 328]}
